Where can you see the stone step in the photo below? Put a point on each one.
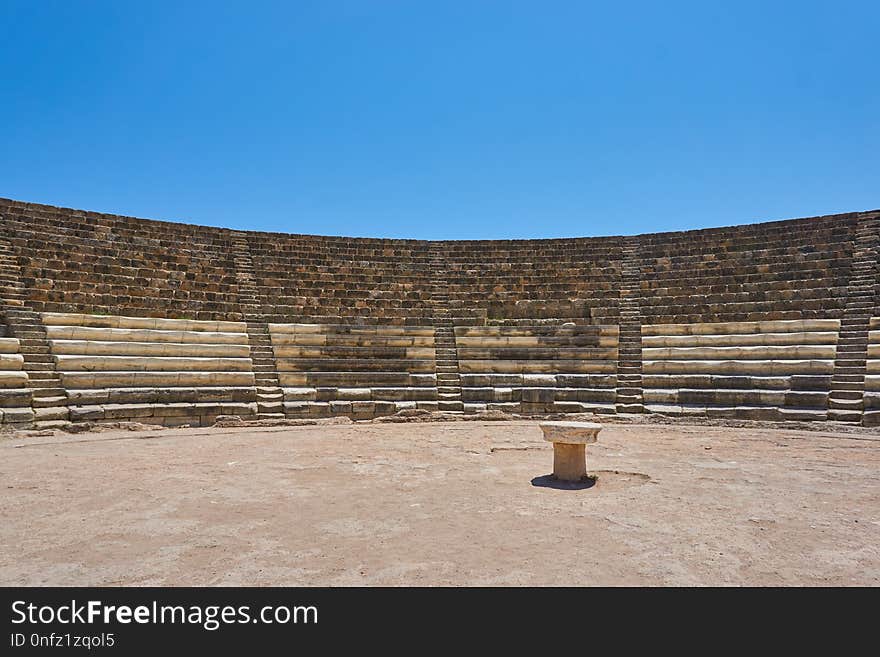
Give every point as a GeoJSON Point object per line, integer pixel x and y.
{"type": "Point", "coordinates": [629, 408]}
{"type": "Point", "coordinates": [450, 406]}
{"type": "Point", "coordinates": [843, 415]}
{"type": "Point", "coordinates": [35, 382]}
{"type": "Point", "coordinates": [49, 402]}
{"type": "Point", "coordinates": [845, 394]}
{"type": "Point", "coordinates": [847, 385]}
{"type": "Point", "coordinates": [37, 358]}
{"type": "Point", "coordinates": [847, 378]}
{"type": "Point", "coordinates": [848, 370]}
{"type": "Point", "coordinates": [38, 367]}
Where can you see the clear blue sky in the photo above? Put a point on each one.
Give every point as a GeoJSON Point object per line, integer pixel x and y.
{"type": "Point", "coordinates": [444, 119]}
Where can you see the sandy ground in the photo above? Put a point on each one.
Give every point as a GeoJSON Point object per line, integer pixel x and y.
{"type": "Point", "coordinates": [439, 504]}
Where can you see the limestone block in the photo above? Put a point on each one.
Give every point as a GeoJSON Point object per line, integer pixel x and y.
{"type": "Point", "coordinates": [128, 411]}
{"type": "Point", "coordinates": [17, 415]}
{"type": "Point", "coordinates": [721, 328]}
{"type": "Point", "coordinates": [114, 321]}
{"type": "Point", "coordinates": [505, 395]}
{"type": "Point", "coordinates": [506, 407]}
{"type": "Point", "coordinates": [176, 395]}
{"type": "Point", "coordinates": [9, 346]}
{"type": "Point", "coordinates": [873, 366]}
{"type": "Point", "coordinates": [596, 395]}
{"type": "Point", "coordinates": [300, 394]}
{"type": "Point", "coordinates": [401, 405]}
{"type": "Point", "coordinates": [154, 379]}
{"type": "Point", "coordinates": [570, 407]}
{"type": "Point", "coordinates": [871, 419]}
{"type": "Point", "coordinates": [475, 408]}
{"type": "Point", "coordinates": [107, 348]}
{"type": "Point", "coordinates": [11, 361]}
{"type": "Point", "coordinates": [806, 399]}
{"type": "Point", "coordinates": [340, 407]}
{"type": "Point", "coordinates": [296, 408]}
{"type": "Point", "coordinates": [537, 366]}
{"type": "Point", "coordinates": [773, 352]}
{"type": "Point", "coordinates": [13, 379]}
{"type": "Point", "coordinates": [225, 394]}
{"type": "Point", "coordinates": [426, 380]}
{"type": "Point", "coordinates": [91, 334]}
{"type": "Point", "coordinates": [586, 380]}
{"type": "Point", "coordinates": [538, 395]}
{"type": "Point", "coordinates": [354, 394]}
{"type": "Point", "coordinates": [384, 407]}
{"type": "Point", "coordinates": [428, 405]}
{"type": "Point", "coordinates": [659, 396]}
{"type": "Point", "coordinates": [874, 350]}
{"type": "Point", "coordinates": [319, 409]}
{"type": "Point", "coordinates": [363, 409]}
{"type": "Point", "coordinates": [539, 380]}
{"type": "Point", "coordinates": [872, 382]}
{"type": "Point", "coordinates": [87, 396]}
{"type": "Point", "coordinates": [11, 398]}
{"type": "Point", "coordinates": [175, 409]}
{"type": "Point", "coordinates": [477, 394]}
{"type": "Point", "coordinates": [804, 414]}
{"type": "Point", "coordinates": [677, 381]}
{"type": "Point", "coordinates": [83, 413]}
{"type": "Point", "coordinates": [748, 339]}
{"type": "Point", "coordinates": [874, 323]}
{"type": "Point", "coordinates": [756, 367]}
{"type": "Point", "coordinates": [872, 401]}
{"type": "Point", "coordinates": [133, 396]}
{"type": "Point", "coordinates": [242, 409]}
{"type": "Point", "coordinates": [67, 363]}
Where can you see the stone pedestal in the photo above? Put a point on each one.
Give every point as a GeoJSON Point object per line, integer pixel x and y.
{"type": "Point", "coordinates": [570, 440]}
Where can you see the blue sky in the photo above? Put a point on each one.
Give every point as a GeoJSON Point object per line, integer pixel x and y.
{"type": "Point", "coordinates": [443, 120]}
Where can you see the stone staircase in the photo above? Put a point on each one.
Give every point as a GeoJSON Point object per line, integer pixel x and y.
{"type": "Point", "coordinates": [11, 288]}
{"type": "Point", "coordinates": [446, 355]}
{"type": "Point", "coordinates": [270, 397]}
{"type": "Point", "coordinates": [49, 399]}
{"type": "Point", "coordinates": [846, 400]}
{"type": "Point", "coordinates": [48, 395]}
{"type": "Point", "coordinates": [629, 360]}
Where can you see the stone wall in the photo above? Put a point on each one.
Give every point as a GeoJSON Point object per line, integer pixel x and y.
{"type": "Point", "coordinates": [110, 317]}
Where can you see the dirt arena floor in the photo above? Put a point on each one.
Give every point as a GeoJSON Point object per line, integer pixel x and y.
{"type": "Point", "coordinates": [459, 503]}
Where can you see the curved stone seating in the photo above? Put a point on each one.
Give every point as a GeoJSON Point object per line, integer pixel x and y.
{"type": "Point", "coordinates": [15, 396]}
{"type": "Point", "coordinates": [763, 370]}
{"type": "Point", "coordinates": [538, 368]}
{"type": "Point", "coordinates": [355, 370]}
{"type": "Point", "coordinates": [796, 269]}
{"type": "Point", "coordinates": [163, 371]}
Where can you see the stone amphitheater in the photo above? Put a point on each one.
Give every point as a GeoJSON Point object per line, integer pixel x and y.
{"type": "Point", "coordinates": [183, 405]}
{"type": "Point", "coordinates": [108, 318]}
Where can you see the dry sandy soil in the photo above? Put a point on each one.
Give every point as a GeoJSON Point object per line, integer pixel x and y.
{"type": "Point", "coordinates": [439, 504]}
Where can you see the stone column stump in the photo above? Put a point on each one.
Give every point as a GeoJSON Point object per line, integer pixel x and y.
{"type": "Point", "coordinates": [570, 440]}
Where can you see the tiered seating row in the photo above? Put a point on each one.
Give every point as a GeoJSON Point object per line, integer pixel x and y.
{"type": "Point", "coordinates": [354, 370]}
{"type": "Point", "coordinates": [780, 270]}
{"type": "Point", "coordinates": [15, 396]}
{"type": "Point", "coordinates": [538, 368]}
{"type": "Point", "coordinates": [159, 371]}
{"type": "Point", "coordinates": [772, 370]}
{"type": "Point", "coordinates": [534, 279]}
{"type": "Point", "coordinates": [335, 280]}
{"type": "Point", "coordinates": [74, 261]}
